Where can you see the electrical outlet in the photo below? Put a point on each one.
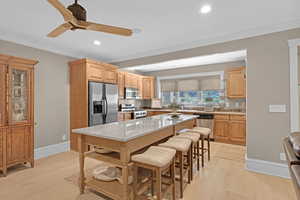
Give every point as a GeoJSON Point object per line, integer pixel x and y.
{"type": "Point", "coordinates": [282, 157]}
{"type": "Point", "coordinates": [64, 137]}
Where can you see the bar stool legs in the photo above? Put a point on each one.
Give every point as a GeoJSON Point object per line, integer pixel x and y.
{"type": "Point", "coordinates": [159, 160]}
{"type": "Point", "coordinates": [198, 156]}
{"type": "Point", "coordinates": [172, 171]}
{"type": "Point", "coordinates": [202, 150]}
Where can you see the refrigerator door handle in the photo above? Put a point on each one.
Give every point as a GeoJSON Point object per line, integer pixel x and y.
{"type": "Point", "coordinates": [106, 106]}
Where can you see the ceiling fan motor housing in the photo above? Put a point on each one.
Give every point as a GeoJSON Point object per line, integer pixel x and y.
{"type": "Point", "coordinates": [78, 11]}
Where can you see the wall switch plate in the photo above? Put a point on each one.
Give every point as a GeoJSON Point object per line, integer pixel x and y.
{"type": "Point", "coordinates": [282, 157]}
{"type": "Point", "coordinates": [64, 137]}
{"type": "Point", "coordinates": [277, 108]}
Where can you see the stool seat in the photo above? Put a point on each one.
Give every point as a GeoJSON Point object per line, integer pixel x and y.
{"type": "Point", "coordinates": [155, 156]}
{"type": "Point", "coordinates": [179, 144]}
{"type": "Point", "coordinates": [194, 137]}
{"type": "Point", "coordinates": [201, 130]}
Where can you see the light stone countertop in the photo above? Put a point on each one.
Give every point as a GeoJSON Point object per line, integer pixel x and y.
{"type": "Point", "coordinates": [200, 112]}
{"type": "Point", "coordinates": [128, 130]}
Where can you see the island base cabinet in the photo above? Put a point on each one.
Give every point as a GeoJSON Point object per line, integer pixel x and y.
{"type": "Point", "coordinates": [19, 145]}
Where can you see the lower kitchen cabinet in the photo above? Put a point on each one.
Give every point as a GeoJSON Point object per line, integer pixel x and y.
{"type": "Point", "coordinates": [237, 132]}
{"type": "Point", "coordinates": [230, 129]}
{"type": "Point", "coordinates": [16, 146]}
{"type": "Point", "coordinates": [152, 113]}
{"type": "Point", "coordinates": [221, 130]}
{"type": "Point", "coordinates": [124, 116]}
{"type": "Point", "coordinates": [19, 145]}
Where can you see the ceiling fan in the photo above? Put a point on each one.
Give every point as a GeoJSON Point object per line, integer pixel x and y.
{"type": "Point", "coordinates": [75, 18]}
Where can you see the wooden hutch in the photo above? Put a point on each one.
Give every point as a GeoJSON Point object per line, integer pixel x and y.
{"type": "Point", "coordinates": [16, 111]}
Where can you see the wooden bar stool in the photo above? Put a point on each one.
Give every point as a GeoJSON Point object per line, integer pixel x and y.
{"type": "Point", "coordinates": [182, 147]}
{"type": "Point", "coordinates": [158, 160]}
{"type": "Point", "coordinates": [194, 137]}
{"type": "Point", "coordinates": [204, 134]}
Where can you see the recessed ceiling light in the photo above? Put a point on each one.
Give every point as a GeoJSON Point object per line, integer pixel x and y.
{"type": "Point", "coordinates": [205, 9]}
{"type": "Point", "coordinates": [97, 42]}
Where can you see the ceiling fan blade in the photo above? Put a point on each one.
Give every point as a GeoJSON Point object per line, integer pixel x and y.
{"type": "Point", "coordinates": [67, 14]}
{"type": "Point", "coordinates": [104, 28]}
{"type": "Point", "coordinates": [60, 30]}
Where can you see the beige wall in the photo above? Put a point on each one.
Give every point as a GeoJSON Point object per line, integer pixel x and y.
{"type": "Point", "coordinates": [267, 83]}
{"type": "Point", "coordinates": [51, 92]}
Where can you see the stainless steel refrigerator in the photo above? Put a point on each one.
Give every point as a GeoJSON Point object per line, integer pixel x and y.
{"type": "Point", "coordinates": [103, 103]}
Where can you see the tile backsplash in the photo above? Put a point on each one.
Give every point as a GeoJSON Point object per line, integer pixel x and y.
{"type": "Point", "coordinates": [231, 104]}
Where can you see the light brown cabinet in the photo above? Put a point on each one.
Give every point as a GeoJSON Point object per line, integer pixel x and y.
{"type": "Point", "coordinates": [152, 113]}
{"type": "Point", "coordinates": [140, 87]}
{"type": "Point", "coordinates": [131, 80]}
{"type": "Point", "coordinates": [221, 130]}
{"type": "Point", "coordinates": [17, 144]}
{"type": "Point", "coordinates": [237, 132]}
{"type": "Point", "coordinates": [98, 71]}
{"type": "Point", "coordinates": [124, 116]}
{"type": "Point", "coordinates": [236, 83]}
{"type": "Point", "coordinates": [17, 111]}
{"type": "Point", "coordinates": [3, 73]}
{"type": "Point", "coordinates": [144, 84]}
{"type": "Point", "coordinates": [110, 76]}
{"type": "Point", "coordinates": [148, 88]}
{"type": "Point", "coordinates": [121, 84]}
{"type": "Point", "coordinates": [81, 72]}
{"type": "Point", "coordinates": [230, 129]}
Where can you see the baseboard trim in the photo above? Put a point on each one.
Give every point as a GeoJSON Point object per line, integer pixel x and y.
{"type": "Point", "coordinates": [46, 151]}
{"type": "Point", "coordinates": [266, 167]}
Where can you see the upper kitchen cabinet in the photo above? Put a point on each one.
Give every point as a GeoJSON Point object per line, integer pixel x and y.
{"type": "Point", "coordinates": [97, 71]}
{"type": "Point", "coordinates": [140, 87]}
{"type": "Point", "coordinates": [131, 80]}
{"type": "Point", "coordinates": [148, 87]}
{"type": "Point", "coordinates": [121, 84]}
{"type": "Point", "coordinates": [236, 83]}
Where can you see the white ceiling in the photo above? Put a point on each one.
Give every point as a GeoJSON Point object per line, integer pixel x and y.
{"type": "Point", "coordinates": [193, 61]}
{"type": "Point", "coordinates": [167, 25]}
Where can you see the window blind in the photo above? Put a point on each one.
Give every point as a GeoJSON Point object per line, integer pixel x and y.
{"type": "Point", "coordinates": [188, 85]}
{"type": "Point", "coordinates": [168, 85]}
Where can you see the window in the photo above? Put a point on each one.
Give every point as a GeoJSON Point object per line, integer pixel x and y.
{"type": "Point", "coordinates": [194, 91]}
{"type": "Point", "coordinates": [193, 98]}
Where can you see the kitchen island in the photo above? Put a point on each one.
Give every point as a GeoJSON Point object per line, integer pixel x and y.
{"type": "Point", "coordinates": [124, 139]}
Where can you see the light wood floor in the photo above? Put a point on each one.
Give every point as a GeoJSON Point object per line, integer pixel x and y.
{"type": "Point", "coordinates": [224, 178]}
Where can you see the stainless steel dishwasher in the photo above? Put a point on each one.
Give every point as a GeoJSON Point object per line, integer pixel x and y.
{"type": "Point", "coordinates": [207, 121]}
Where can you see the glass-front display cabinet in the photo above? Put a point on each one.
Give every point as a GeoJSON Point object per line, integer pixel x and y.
{"type": "Point", "coordinates": [20, 95]}
{"type": "Point", "coordinates": [16, 112]}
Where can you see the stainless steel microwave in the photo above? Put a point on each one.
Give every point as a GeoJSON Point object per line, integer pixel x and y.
{"type": "Point", "coordinates": [131, 93]}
